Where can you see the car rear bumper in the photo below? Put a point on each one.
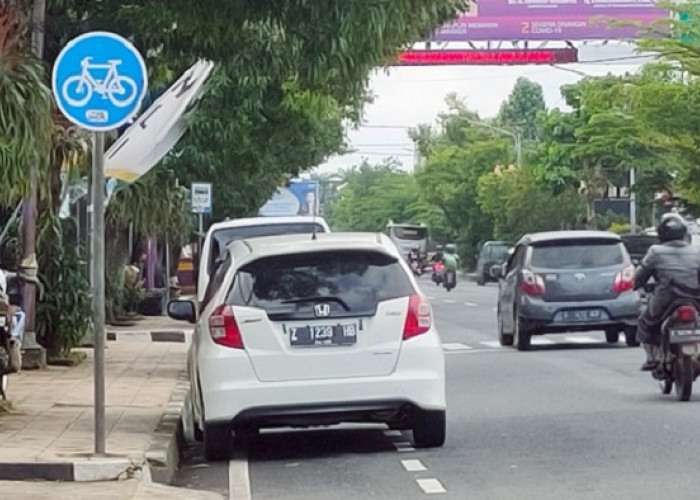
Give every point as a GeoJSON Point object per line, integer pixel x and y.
{"type": "Point", "coordinates": [418, 380]}
{"type": "Point", "coordinates": [621, 311]}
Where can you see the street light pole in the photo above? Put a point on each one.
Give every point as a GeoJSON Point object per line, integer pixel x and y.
{"type": "Point", "coordinates": [516, 136]}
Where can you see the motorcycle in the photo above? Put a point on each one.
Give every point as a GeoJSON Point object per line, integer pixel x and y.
{"type": "Point", "coordinates": [417, 267]}
{"type": "Point", "coordinates": [11, 333]}
{"type": "Point", "coordinates": [437, 272]}
{"type": "Point", "coordinates": [680, 345]}
{"type": "Point", "coordinates": [449, 280]}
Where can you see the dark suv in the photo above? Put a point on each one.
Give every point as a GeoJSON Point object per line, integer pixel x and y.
{"type": "Point", "coordinates": [567, 281]}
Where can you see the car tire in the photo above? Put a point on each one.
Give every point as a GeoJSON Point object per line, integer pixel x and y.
{"type": "Point", "coordinates": [480, 281]}
{"type": "Point", "coordinates": [631, 336]}
{"type": "Point", "coordinates": [612, 336]}
{"type": "Point", "coordinates": [522, 339]}
{"type": "Point", "coordinates": [429, 428]}
{"type": "Point", "coordinates": [505, 339]}
{"type": "Point", "coordinates": [217, 441]}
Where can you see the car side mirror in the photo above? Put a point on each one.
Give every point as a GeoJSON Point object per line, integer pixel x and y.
{"type": "Point", "coordinates": [182, 310]}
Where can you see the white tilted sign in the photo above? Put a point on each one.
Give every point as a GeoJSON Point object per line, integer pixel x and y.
{"type": "Point", "coordinates": [158, 129]}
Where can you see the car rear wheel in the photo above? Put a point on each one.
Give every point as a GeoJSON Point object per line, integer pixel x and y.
{"type": "Point", "coordinates": [429, 428]}
{"type": "Point", "coordinates": [522, 338]}
{"type": "Point", "coordinates": [612, 336]}
{"type": "Point", "coordinates": [505, 339]}
{"type": "Point", "coordinates": [631, 336]}
{"type": "Point", "coordinates": [217, 441]}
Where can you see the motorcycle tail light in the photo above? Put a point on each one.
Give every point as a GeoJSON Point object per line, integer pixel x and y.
{"type": "Point", "coordinates": [686, 314]}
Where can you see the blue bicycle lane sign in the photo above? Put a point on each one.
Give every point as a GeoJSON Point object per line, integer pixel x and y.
{"type": "Point", "coordinates": [99, 81]}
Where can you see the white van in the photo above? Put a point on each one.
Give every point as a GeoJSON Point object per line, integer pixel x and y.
{"type": "Point", "coordinates": [223, 233]}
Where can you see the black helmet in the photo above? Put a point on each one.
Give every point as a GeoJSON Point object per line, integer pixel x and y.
{"type": "Point", "coordinates": [672, 227]}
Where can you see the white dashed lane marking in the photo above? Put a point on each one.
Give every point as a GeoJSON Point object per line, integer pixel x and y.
{"type": "Point", "coordinates": [582, 340]}
{"type": "Point", "coordinates": [393, 433]}
{"type": "Point", "coordinates": [431, 486]}
{"type": "Point", "coordinates": [413, 465]}
{"type": "Point", "coordinates": [471, 304]}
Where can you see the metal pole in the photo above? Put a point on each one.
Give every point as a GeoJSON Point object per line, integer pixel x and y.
{"type": "Point", "coordinates": [34, 354]}
{"type": "Point", "coordinates": [519, 148]}
{"type": "Point", "coordinates": [98, 286]}
{"type": "Point", "coordinates": [633, 203]}
{"type": "Point", "coordinates": [201, 232]}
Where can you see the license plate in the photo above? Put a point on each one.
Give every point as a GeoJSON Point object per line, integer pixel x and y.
{"type": "Point", "coordinates": [323, 335]}
{"type": "Point", "coordinates": [684, 333]}
{"type": "Point", "coordinates": [581, 315]}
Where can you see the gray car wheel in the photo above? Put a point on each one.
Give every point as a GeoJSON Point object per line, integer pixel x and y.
{"type": "Point", "coordinates": [522, 338]}
{"type": "Point", "coordinates": [505, 339]}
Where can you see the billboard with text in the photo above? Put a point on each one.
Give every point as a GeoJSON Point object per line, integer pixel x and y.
{"type": "Point", "coordinates": [512, 20]}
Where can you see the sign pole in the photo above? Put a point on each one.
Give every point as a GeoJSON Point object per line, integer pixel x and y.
{"type": "Point", "coordinates": [98, 287]}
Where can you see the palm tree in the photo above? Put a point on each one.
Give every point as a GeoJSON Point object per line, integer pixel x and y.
{"type": "Point", "coordinates": [26, 125]}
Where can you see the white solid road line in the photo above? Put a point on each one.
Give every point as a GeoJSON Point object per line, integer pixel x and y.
{"type": "Point", "coordinates": [541, 341]}
{"type": "Point", "coordinates": [455, 346]}
{"type": "Point", "coordinates": [238, 478]}
{"type": "Point", "coordinates": [583, 340]}
{"type": "Point", "coordinates": [491, 343]}
{"type": "Point", "coordinates": [413, 465]}
{"type": "Point", "coordinates": [431, 486]}
{"type": "Point", "coordinates": [393, 433]}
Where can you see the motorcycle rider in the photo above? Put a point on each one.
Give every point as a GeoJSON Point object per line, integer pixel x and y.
{"type": "Point", "coordinates": [451, 259]}
{"type": "Point", "coordinates": [675, 267]}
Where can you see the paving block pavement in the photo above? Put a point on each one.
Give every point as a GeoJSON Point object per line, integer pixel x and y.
{"type": "Point", "coordinates": [48, 433]}
{"type": "Point", "coordinates": [113, 490]}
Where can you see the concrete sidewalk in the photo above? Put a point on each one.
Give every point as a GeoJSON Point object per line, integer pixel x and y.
{"type": "Point", "coordinates": [48, 433]}
{"type": "Point", "coordinates": [114, 490]}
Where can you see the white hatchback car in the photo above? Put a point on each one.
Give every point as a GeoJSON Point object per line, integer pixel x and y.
{"type": "Point", "coordinates": [297, 331]}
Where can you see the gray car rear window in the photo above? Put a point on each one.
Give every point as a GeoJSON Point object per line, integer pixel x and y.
{"type": "Point", "coordinates": [577, 254]}
{"type": "Point", "coordinates": [358, 279]}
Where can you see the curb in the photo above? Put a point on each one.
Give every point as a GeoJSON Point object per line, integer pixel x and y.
{"type": "Point", "coordinates": [163, 454]}
{"type": "Point", "coordinates": [91, 469]}
{"type": "Point", "coordinates": [177, 336]}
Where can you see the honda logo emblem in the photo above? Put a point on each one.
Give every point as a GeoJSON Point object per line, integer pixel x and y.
{"type": "Point", "coordinates": [322, 310]}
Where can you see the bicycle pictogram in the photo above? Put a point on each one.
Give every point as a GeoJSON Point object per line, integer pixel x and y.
{"type": "Point", "coordinates": [120, 90]}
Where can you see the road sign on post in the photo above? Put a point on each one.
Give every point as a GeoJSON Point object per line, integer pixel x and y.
{"type": "Point", "coordinates": [201, 197]}
{"type": "Point", "coordinates": [99, 80]}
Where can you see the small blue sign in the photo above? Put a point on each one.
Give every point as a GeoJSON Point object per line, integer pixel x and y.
{"type": "Point", "coordinates": [99, 81]}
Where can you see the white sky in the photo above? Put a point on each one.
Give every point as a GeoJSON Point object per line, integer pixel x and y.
{"type": "Point", "coordinates": [408, 96]}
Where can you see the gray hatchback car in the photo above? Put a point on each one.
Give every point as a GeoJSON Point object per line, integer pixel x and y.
{"type": "Point", "coordinates": [567, 281]}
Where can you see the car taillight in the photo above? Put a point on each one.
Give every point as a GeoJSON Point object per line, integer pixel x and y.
{"type": "Point", "coordinates": [418, 319]}
{"type": "Point", "coordinates": [532, 284]}
{"type": "Point", "coordinates": [224, 329]}
{"type": "Point", "coordinates": [624, 280]}
{"type": "Point", "coordinates": [686, 314]}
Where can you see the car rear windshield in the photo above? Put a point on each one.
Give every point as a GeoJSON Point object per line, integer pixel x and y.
{"type": "Point", "coordinates": [498, 252]}
{"type": "Point", "coordinates": [222, 237]}
{"type": "Point", "coordinates": [351, 281]}
{"type": "Point", "coordinates": [577, 254]}
{"type": "Point", "coordinates": [410, 233]}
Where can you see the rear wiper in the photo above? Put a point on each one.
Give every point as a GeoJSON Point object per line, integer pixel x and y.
{"type": "Point", "coordinates": [338, 300]}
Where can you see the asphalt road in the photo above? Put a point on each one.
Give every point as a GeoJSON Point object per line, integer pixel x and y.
{"type": "Point", "coordinates": [571, 419]}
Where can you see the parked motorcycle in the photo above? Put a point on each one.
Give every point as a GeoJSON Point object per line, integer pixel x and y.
{"type": "Point", "coordinates": [680, 345]}
{"type": "Point", "coordinates": [11, 333]}
{"type": "Point", "coordinates": [438, 267]}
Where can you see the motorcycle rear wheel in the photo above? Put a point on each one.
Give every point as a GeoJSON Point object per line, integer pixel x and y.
{"type": "Point", "coordinates": [683, 379]}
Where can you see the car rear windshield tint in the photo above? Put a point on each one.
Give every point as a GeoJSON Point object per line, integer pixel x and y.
{"type": "Point", "coordinates": [222, 237]}
{"type": "Point", "coordinates": [351, 281]}
{"type": "Point", "coordinates": [577, 254]}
